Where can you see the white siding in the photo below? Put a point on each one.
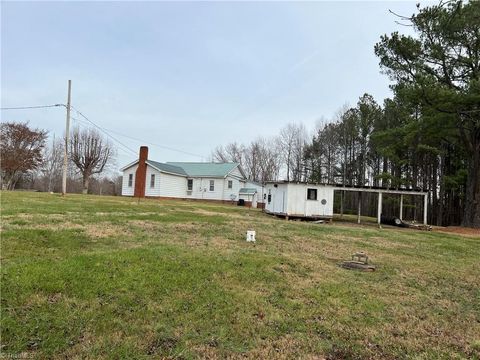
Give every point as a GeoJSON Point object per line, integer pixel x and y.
{"type": "Point", "coordinates": [236, 173]}
{"type": "Point", "coordinates": [278, 198]}
{"type": "Point", "coordinates": [299, 205]}
{"type": "Point", "coordinates": [155, 191]}
{"type": "Point", "coordinates": [165, 184]}
{"type": "Point", "coordinates": [126, 190]}
{"type": "Point", "coordinates": [173, 186]}
{"type": "Point", "coordinates": [236, 186]}
{"type": "Point", "coordinates": [201, 189]}
{"type": "Point", "coordinates": [291, 199]}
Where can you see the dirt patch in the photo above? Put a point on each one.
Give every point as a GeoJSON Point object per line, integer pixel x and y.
{"type": "Point", "coordinates": [97, 230]}
{"type": "Point", "coordinates": [146, 225]}
{"type": "Point", "coordinates": [104, 230]}
{"type": "Point", "coordinates": [126, 214]}
{"type": "Point", "coordinates": [216, 213]}
{"type": "Point", "coordinates": [66, 225]}
{"type": "Point", "coordinates": [284, 348]}
{"type": "Point", "coordinates": [389, 244]}
{"type": "Point", "coordinates": [458, 230]}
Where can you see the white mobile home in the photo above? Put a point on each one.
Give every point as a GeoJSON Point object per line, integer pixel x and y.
{"type": "Point", "coordinates": [299, 199]}
{"type": "Point", "coordinates": [316, 200]}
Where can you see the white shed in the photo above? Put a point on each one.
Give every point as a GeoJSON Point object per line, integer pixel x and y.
{"type": "Point", "coordinates": [299, 199]}
{"type": "Point", "coordinates": [249, 196]}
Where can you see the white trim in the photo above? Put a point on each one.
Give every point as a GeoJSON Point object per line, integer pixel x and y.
{"type": "Point", "coordinates": [129, 165]}
{"type": "Point", "coordinates": [239, 169]}
{"type": "Point", "coordinates": [385, 191]}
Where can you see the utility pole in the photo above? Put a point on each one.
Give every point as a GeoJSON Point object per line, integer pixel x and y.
{"type": "Point", "coordinates": [67, 136]}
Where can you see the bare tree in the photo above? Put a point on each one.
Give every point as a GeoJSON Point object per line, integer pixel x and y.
{"type": "Point", "coordinates": [260, 160]}
{"type": "Point", "coordinates": [219, 154]}
{"type": "Point", "coordinates": [21, 151]}
{"type": "Point", "coordinates": [292, 141]}
{"type": "Point", "coordinates": [90, 153]}
{"type": "Point", "coordinates": [267, 159]}
{"type": "Point", "coordinates": [52, 163]}
{"type": "Point", "coordinates": [232, 152]}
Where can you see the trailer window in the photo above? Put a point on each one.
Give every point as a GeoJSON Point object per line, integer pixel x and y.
{"type": "Point", "coordinates": [311, 194]}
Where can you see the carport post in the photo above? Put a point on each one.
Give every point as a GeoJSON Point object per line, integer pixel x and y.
{"type": "Point", "coordinates": [379, 207]}
{"type": "Point", "coordinates": [401, 206]}
{"type": "Point", "coordinates": [359, 206]}
{"type": "Point", "coordinates": [425, 204]}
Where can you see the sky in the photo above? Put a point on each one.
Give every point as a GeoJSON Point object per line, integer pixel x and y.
{"type": "Point", "coordinates": [189, 76]}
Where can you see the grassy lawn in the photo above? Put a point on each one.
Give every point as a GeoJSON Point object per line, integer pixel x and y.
{"type": "Point", "coordinates": [108, 277]}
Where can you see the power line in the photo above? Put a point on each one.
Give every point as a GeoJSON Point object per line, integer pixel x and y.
{"type": "Point", "coordinates": [158, 145]}
{"type": "Point", "coordinates": [103, 130]}
{"type": "Point", "coordinates": [85, 123]}
{"type": "Point", "coordinates": [31, 107]}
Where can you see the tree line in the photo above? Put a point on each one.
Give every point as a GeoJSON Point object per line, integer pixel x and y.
{"type": "Point", "coordinates": [426, 136]}
{"type": "Point", "coordinates": [29, 161]}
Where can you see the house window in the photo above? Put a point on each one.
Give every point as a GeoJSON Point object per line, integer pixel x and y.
{"type": "Point", "coordinates": [311, 194]}
{"type": "Point", "coordinates": [230, 184]}
{"type": "Point", "coordinates": [152, 180]}
{"type": "Point", "coordinates": [190, 184]}
{"type": "Point", "coordinates": [130, 180]}
{"type": "Point", "coordinates": [212, 185]}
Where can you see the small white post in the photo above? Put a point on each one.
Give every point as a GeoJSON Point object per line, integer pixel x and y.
{"type": "Point", "coordinates": [401, 206]}
{"type": "Point", "coordinates": [425, 205]}
{"type": "Point", "coordinates": [379, 207]}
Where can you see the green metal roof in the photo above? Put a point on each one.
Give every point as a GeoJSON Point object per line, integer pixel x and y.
{"type": "Point", "coordinates": [247, 191]}
{"type": "Point", "coordinates": [167, 167]}
{"type": "Point", "coordinates": [203, 169]}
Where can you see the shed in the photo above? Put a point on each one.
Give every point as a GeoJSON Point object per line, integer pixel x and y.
{"type": "Point", "coordinates": [299, 199]}
{"type": "Point", "coordinates": [249, 195]}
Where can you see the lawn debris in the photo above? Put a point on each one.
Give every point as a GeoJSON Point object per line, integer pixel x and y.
{"type": "Point", "coordinates": [395, 221]}
{"type": "Point", "coordinates": [360, 256]}
{"type": "Point", "coordinates": [424, 227]}
{"type": "Point", "coordinates": [359, 262]}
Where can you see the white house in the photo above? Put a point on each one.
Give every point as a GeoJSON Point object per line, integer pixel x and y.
{"type": "Point", "coordinates": [299, 199]}
{"type": "Point", "coordinates": [184, 180]}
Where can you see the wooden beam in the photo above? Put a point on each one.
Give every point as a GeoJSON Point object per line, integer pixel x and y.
{"type": "Point", "coordinates": [384, 191]}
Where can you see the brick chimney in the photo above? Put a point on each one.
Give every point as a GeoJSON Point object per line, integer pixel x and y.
{"type": "Point", "coordinates": [141, 173]}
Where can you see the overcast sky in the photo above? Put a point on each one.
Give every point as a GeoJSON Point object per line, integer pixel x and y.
{"type": "Point", "coordinates": [191, 75]}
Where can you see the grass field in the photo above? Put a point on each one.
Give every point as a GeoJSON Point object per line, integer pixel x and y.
{"type": "Point", "coordinates": [108, 277]}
